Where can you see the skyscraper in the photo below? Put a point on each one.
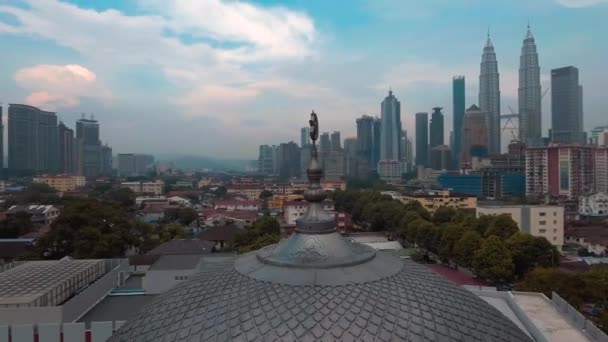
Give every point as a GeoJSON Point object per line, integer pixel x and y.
{"type": "Point", "coordinates": [458, 102]}
{"type": "Point", "coordinates": [32, 139]}
{"type": "Point", "coordinates": [474, 135]}
{"type": "Point", "coordinates": [422, 139]}
{"type": "Point", "coordinates": [566, 106]}
{"type": "Point", "coordinates": [89, 147]}
{"type": "Point", "coordinates": [289, 160]}
{"type": "Point", "coordinates": [529, 93]}
{"type": "Point", "coordinates": [1, 143]}
{"type": "Point", "coordinates": [336, 144]}
{"type": "Point", "coordinates": [489, 95]}
{"type": "Point", "coordinates": [106, 160]}
{"type": "Point", "coordinates": [390, 140]}
{"type": "Point", "coordinates": [377, 128]}
{"type": "Point", "coordinates": [265, 160]}
{"type": "Point", "coordinates": [365, 138]}
{"type": "Point", "coordinates": [304, 136]}
{"type": "Point", "coordinates": [436, 128]}
{"type": "Point", "coordinates": [66, 149]}
{"type": "Point", "coordinates": [324, 143]}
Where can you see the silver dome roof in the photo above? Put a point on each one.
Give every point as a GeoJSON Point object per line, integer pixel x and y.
{"type": "Point", "coordinates": [317, 286]}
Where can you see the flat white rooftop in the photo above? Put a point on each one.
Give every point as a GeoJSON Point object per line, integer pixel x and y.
{"type": "Point", "coordinates": [547, 318]}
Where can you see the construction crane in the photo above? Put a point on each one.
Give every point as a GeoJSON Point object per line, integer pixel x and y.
{"type": "Point", "coordinates": [511, 119]}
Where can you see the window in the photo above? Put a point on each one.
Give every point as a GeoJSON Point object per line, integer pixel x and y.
{"type": "Point", "coordinates": [555, 230]}
{"type": "Point", "coordinates": [554, 238]}
{"type": "Point", "coordinates": [554, 213]}
{"type": "Point", "coordinates": [543, 214]}
{"type": "Point", "coordinates": [542, 223]}
{"type": "Point", "coordinates": [542, 230]}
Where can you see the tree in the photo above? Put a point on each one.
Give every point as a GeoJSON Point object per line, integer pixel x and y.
{"type": "Point", "coordinates": [465, 248]}
{"type": "Point", "coordinates": [492, 261]}
{"type": "Point", "coordinates": [15, 225]}
{"type": "Point", "coordinates": [451, 234]}
{"type": "Point", "coordinates": [265, 231]}
{"type": "Point", "coordinates": [266, 194]}
{"type": "Point", "coordinates": [480, 224]}
{"type": "Point", "coordinates": [185, 216]}
{"type": "Point", "coordinates": [571, 287]}
{"type": "Point", "coordinates": [121, 196]}
{"type": "Point", "coordinates": [38, 193]}
{"type": "Point", "coordinates": [529, 251]}
{"type": "Point", "coordinates": [89, 229]}
{"type": "Point", "coordinates": [502, 226]}
{"type": "Point", "coordinates": [427, 235]}
{"type": "Point", "coordinates": [415, 206]}
{"type": "Point", "coordinates": [407, 229]}
{"type": "Point", "coordinates": [444, 215]}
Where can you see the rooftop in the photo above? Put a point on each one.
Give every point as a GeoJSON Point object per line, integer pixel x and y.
{"type": "Point", "coordinates": [31, 209]}
{"type": "Point", "coordinates": [220, 233]}
{"type": "Point", "coordinates": [182, 246]}
{"type": "Point", "coordinates": [176, 262]}
{"type": "Point", "coordinates": [28, 281]}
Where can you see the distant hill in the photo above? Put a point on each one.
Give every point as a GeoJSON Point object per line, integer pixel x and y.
{"type": "Point", "coordinates": [201, 162]}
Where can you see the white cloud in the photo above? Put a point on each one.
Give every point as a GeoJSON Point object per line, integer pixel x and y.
{"type": "Point", "coordinates": [226, 41]}
{"type": "Point", "coordinates": [581, 3]}
{"type": "Point", "coordinates": [59, 86]}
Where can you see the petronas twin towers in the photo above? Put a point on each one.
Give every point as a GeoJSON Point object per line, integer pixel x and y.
{"type": "Point", "coordinates": [529, 94]}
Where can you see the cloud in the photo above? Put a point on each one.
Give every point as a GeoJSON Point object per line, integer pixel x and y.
{"type": "Point", "coordinates": [59, 86]}
{"type": "Point", "coordinates": [581, 3]}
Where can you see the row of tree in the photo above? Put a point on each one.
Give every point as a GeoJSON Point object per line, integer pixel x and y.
{"type": "Point", "coordinates": [491, 246]}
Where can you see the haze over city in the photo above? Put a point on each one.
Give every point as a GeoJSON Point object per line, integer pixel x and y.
{"type": "Point", "coordinates": [220, 78]}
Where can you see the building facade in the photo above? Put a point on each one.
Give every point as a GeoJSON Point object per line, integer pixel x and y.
{"type": "Point", "coordinates": [489, 95]}
{"type": "Point", "coordinates": [441, 157]}
{"type": "Point", "coordinates": [560, 170]}
{"type": "Point", "coordinates": [390, 171]}
{"type": "Point", "coordinates": [390, 136]}
{"type": "Point", "coordinates": [566, 107]}
{"type": "Point", "coordinates": [436, 134]}
{"type": "Point", "coordinates": [422, 139]}
{"type": "Point", "coordinates": [62, 183]}
{"type": "Point", "coordinates": [537, 220]}
{"type": "Point", "coordinates": [265, 160]}
{"type": "Point", "coordinates": [529, 93]}
{"type": "Point", "coordinates": [365, 138]}
{"type": "Point", "coordinates": [335, 141]}
{"type": "Point", "coordinates": [458, 105]}
{"type": "Point", "coordinates": [304, 136]}
{"type": "Point", "coordinates": [474, 136]}
{"type": "Point", "coordinates": [433, 200]}
{"type": "Point", "coordinates": [89, 147]}
{"type": "Point", "coordinates": [32, 140]}
{"type": "Point", "coordinates": [67, 149]}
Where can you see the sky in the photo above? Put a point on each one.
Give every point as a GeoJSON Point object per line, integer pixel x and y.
{"type": "Point", "coordinates": [219, 78]}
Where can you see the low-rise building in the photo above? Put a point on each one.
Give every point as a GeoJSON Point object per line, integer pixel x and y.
{"type": "Point", "coordinates": [277, 202]}
{"type": "Point", "coordinates": [294, 210]}
{"type": "Point", "coordinates": [250, 191]}
{"type": "Point", "coordinates": [40, 214]}
{"type": "Point", "coordinates": [253, 205]}
{"type": "Point", "coordinates": [220, 236]}
{"type": "Point", "coordinates": [180, 201]}
{"type": "Point", "coordinates": [434, 199]}
{"type": "Point", "coordinates": [240, 218]}
{"type": "Point", "coordinates": [148, 188]}
{"type": "Point", "coordinates": [595, 205]}
{"type": "Point", "coordinates": [593, 238]}
{"type": "Point", "coordinates": [538, 220]}
{"type": "Point", "coordinates": [62, 183]}
{"type": "Point", "coordinates": [54, 291]}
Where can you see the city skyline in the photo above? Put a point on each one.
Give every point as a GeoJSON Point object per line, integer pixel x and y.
{"type": "Point", "coordinates": [246, 83]}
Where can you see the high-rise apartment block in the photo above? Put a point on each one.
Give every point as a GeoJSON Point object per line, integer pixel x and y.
{"type": "Point", "coordinates": [436, 134]}
{"type": "Point", "coordinates": [529, 93]}
{"type": "Point", "coordinates": [89, 147]}
{"type": "Point", "coordinates": [458, 103]}
{"type": "Point", "coordinates": [336, 144]}
{"type": "Point", "coordinates": [566, 107]}
{"type": "Point", "coordinates": [304, 136]}
{"type": "Point", "coordinates": [365, 138]}
{"type": "Point", "coordinates": [32, 140]}
{"type": "Point", "coordinates": [475, 135]}
{"type": "Point", "coordinates": [560, 170]}
{"type": "Point", "coordinates": [489, 95]}
{"type": "Point", "coordinates": [390, 136]}
{"type": "Point", "coordinates": [377, 127]}
{"type": "Point", "coordinates": [441, 157]}
{"type": "Point", "coordinates": [133, 164]}
{"type": "Point", "coordinates": [66, 150]}
{"type": "Point", "coordinates": [1, 142]}
{"type": "Point", "coordinates": [422, 139]}
{"type": "Point", "coordinates": [265, 160]}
